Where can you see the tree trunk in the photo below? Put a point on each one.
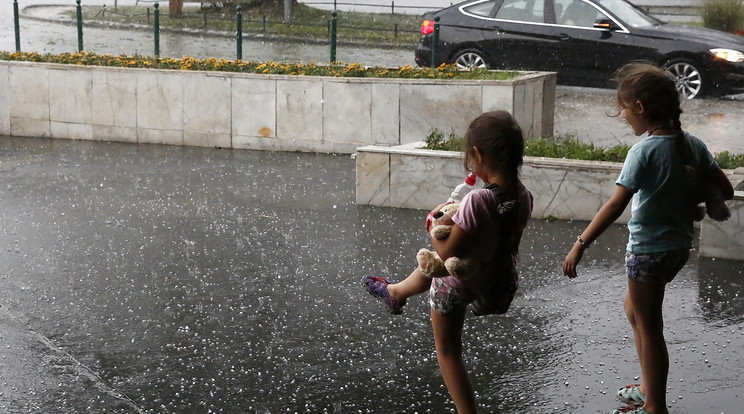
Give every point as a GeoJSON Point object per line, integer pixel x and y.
{"type": "Point", "coordinates": [175, 8]}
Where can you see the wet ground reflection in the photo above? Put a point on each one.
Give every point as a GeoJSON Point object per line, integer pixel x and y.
{"type": "Point", "coordinates": [202, 280]}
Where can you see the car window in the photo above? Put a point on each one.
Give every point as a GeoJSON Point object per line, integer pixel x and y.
{"type": "Point", "coordinates": [522, 10]}
{"type": "Point", "coordinates": [480, 9]}
{"type": "Point", "coordinates": [576, 13]}
{"type": "Point", "coordinates": [629, 14]}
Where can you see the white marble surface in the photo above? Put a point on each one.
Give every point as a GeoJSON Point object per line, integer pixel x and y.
{"type": "Point", "coordinates": [159, 100]}
{"type": "Point", "coordinates": [421, 179]}
{"type": "Point", "coordinates": [114, 100]}
{"type": "Point", "coordinates": [28, 100]}
{"type": "Point", "coordinates": [253, 111]}
{"type": "Point", "coordinates": [725, 240]}
{"type": "Point", "coordinates": [4, 101]}
{"type": "Point", "coordinates": [266, 112]}
{"type": "Point", "coordinates": [299, 109]}
{"type": "Point", "coordinates": [70, 97]}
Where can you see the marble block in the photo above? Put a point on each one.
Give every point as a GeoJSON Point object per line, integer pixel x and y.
{"type": "Point", "coordinates": [253, 107]}
{"type": "Point", "coordinates": [206, 104]}
{"type": "Point", "coordinates": [725, 239]}
{"type": "Point", "coordinates": [385, 107]}
{"type": "Point", "coordinates": [445, 107]}
{"type": "Point", "coordinates": [4, 101]}
{"type": "Point", "coordinates": [299, 109]}
{"type": "Point", "coordinates": [71, 130]}
{"type": "Point", "coordinates": [29, 92]}
{"type": "Point", "coordinates": [346, 112]}
{"type": "Point", "coordinates": [70, 98]}
{"type": "Point", "coordinates": [372, 178]}
{"type": "Point", "coordinates": [114, 97]}
{"type": "Point", "coordinates": [159, 100]}
{"type": "Point", "coordinates": [570, 189]}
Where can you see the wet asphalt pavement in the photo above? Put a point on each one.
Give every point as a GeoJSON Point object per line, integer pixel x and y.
{"type": "Point", "coordinates": [146, 278]}
{"type": "Point", "coordinates": [155, 279]}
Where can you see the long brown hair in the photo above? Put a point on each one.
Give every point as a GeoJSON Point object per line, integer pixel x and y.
{"type": "Point", "coordinates": [655, 89]}
{"type": "Point", "coordinates": [497, 135]}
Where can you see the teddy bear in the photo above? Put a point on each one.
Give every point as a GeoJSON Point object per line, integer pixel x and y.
{"type": "Point", "coordinates": [430, 264]}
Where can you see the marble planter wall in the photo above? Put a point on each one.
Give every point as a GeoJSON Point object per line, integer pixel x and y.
{"type": "Point", "coordinates": [725, 240]}
{"type": "Point", "coordinates": [407, 177]}
{"type": "Point", "coordinates": [266, 112]}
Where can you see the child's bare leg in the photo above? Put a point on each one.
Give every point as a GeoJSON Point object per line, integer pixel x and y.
{"type": "Point", "coordinates": [628, 305]}
{"type": "Point", "coordinates": [414, 284]}
{"type": "Point", "coordinates": [646, 301]}
{"type": "Point", "coordinates": [448, 342]}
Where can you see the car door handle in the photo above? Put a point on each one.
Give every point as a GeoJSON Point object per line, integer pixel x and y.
{"type": "Point", "coordinates": [564, 36]}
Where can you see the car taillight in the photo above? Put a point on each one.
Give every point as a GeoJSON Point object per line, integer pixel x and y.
{"type": "Point", "coordinates": [427, 27]}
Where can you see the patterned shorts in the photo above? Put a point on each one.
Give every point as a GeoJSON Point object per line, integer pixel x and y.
{"type": "Point", "coordinates": [657, 268]}
{"type": "Point", "coordinates": [491, 298]}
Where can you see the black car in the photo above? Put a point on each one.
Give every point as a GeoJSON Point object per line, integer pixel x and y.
{"type": "Point", "coordinates": [584, 41]}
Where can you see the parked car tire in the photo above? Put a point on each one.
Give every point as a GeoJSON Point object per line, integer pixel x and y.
{"type": "Point", "coordinates": [691, 80]}
{"type": "Point", "coordinates": [470, 58]}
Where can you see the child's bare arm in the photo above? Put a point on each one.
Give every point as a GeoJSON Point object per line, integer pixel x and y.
{"type": "Point", "coordinates": [604, 218]}
{"type": "Point", "coordinates": [455, 245]}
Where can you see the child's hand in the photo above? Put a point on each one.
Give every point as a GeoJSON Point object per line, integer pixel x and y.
{"type": "Point", "coordinates": [572, 260]}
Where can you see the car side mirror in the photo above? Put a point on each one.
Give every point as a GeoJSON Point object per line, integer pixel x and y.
{"type": "Point", "coordinates": [605, 24]}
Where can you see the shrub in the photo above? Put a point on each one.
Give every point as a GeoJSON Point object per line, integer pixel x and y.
{"type": "Point", "coordinates": [567, 147]}
{"type": "Point", "coordinates": [437, 141]}
{"type": "Point", "coordinates": [729, 161]}
{"type": "Point", "coordinates": [724, 15]}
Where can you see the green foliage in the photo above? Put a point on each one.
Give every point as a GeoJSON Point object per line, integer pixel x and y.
{"type": "Point", "coordinates": [724, 15]}
{"type": "Point", "coordinates": [729, 161]}
{"type": "Point", "coordinates": [437, 141]}
{"type": "Point", "coordinates": [570, 147]}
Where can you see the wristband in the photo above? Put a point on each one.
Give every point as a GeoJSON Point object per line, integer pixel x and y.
{"type": "Point", "coordinates": [582, 242]}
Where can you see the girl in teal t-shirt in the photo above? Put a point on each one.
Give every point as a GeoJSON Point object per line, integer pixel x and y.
{"type": "Point", "coordinates": [656, 176]}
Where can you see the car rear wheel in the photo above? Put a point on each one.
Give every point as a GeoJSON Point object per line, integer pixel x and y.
{"type": "Point", "coordinates": [469, 59]}
{"type": "Point", "coordinates": [688, 76]}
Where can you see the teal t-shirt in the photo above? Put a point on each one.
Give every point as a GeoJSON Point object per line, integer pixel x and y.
{"type": "Point", "coordinates": [662, 214]}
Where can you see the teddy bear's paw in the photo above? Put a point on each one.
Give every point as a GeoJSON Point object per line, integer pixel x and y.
{"type": "Point", "coordinates": [460, 268]}
{"type": "Point", "coordinates": [429, 264]}
{"type": "Point", "coordinates": [718, 211]}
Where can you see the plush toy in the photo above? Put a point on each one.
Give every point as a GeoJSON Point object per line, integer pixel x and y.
{"type": "Point", "coordinates": [430, 264]}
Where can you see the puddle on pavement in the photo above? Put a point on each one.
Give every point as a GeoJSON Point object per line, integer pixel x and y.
{"type": "Point", "coordinates": [201, 280]}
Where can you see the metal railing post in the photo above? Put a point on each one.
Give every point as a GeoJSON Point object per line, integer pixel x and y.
{"type": "Point", "coordinates": [435, 44]}
{"type": "Point", "coordinates": [157, 30]}
{"type": "Point", "coordinates": [17, 26]}
{"type": "Point", "coordinates": [79, 26]}
{"type": "Point", "coordinates": [333, 36]}
{"type": "Point", "coordinates": [239, 34]}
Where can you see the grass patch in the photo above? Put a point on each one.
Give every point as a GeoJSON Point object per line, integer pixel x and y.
{"type": "Point", "coordinates": [567, 147]}
{"type": "Point", "coordinates": [570, 147]}
{"type": "Point", "coordinates": [307, 22]}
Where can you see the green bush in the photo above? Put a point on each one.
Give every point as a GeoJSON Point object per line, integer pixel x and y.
{"type": "Point", "coordinates": [729, 161]}
{"type": "Point", "coordinates": [724, 15]}
{"type": "Point", "coordinates": [437, 141]}
{"type": "Point", "coordinates": [567, 147]}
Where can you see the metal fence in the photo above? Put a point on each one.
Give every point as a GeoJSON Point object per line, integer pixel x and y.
{"type": "Point", "coordinates": [151, 16]}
